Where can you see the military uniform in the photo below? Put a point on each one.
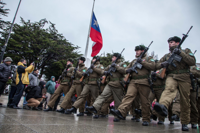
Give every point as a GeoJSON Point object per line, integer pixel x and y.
{"type": "Point", "coordinates": [91, 85]}
{"type": "Point", "coordinates": [178, 77]}
{"type": "Point", "coordinates": [63, 87]}
{"type": "Point", "coordinates": [139, 85]}
{"type": "Point", "coordinates": [113, 88]}
{"type": "Point", "coordinates": [158, 87]}
{"type": "Point", "coordinates": [193, 95]}
{"type": "Point", "coordinates": [76, 88]}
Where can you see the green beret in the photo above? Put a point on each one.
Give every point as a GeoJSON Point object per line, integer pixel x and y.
{"type": "Point", "coordinates": [139, 47]}
{"type": "Point", "coordinates": [175, 38]}
{"type": "Point", "coordinates": [82, 58]}
{"type": "Point", "coordinates": [70, 60]}
{"type": "Point", "coordinates": [97, 58]}
{"type": "Point", "coordinates": [116, 54]}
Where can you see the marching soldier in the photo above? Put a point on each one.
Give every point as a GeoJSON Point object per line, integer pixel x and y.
{"type": "Point", "coordinates": [76, 88]}
{"type": "Point", "coordinates": [91, 85]}
{"type": "Point", "coordinates": [158, 87]}
{"type": "Point", "coordinates": [113, 88]}
{"type": "Point", "coordinates": [64, 87]}
{"type": "Point", "coordinates": [178, 78]}
{"type": "Point", "coordinates": [138, 85]}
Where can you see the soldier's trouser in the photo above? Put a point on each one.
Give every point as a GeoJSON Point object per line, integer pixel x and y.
{"type": "Point", "coordinates": [133, 90]}
{"type": "Point", "coordinates": [108, 91]}
{"type": "Point", "coordinates": [176, 105]}
{"type": "Point", "coordinates": [136, 105]}
{"type": "Point", "coordinates": [86, 90]}
{"type": "Point", "coordinates": [198, 107]}
{"type": "Point", "coordinates": [194, 112]}
{"type": "Point", "coordinates": [76, 88]}
{"type": "Point", "coordinates": [170, 93]}
{"type": "Point", "coordinates": [156, 95]}
{"type": "Point", "coordinates": [61, 88]}
{"type": "Point", "coordinates": [105, 106]}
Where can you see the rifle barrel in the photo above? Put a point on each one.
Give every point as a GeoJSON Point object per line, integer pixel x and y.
{"type": "Point", "coordinates": [189, 30]}
{"type": "Point", "coordinates": [150, 44]}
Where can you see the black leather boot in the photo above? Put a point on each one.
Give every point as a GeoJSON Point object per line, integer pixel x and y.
{"type": "Point", "coordinates": [80, 114]}
{"type": "Point", "coordinates": [61, 110]}
{"type": "Point", "coordinates": [161, 109]}
{"type": "Point", "coordinates": [116, 113]}
{"type": "Point", "coordinates": [145, 123]}
{"type": "Point", "coordinates": [185, 127]}
{"type": "Point", "coordinates": [48, 109]}
{"type": "Point", "coordinates": [194, 126]}
{"type": "Point", "coordinates": [72, 110]}
{"type": "Point", "coordinates": [91, 109]}
{"type": "Point", "coordinates": [96, 116]}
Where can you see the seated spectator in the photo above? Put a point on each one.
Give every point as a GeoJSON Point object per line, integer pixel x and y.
{"type": "Point", "coordinates": [34, 96]}
{"type": "Point", "coordinates": [33, 81]}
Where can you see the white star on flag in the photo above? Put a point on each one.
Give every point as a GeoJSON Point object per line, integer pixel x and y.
{"type": "Point", "coordinates": [96, 23]}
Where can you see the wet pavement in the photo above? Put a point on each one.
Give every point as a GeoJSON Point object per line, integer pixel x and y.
{"type": "Point", "coordinates": [28, 121]}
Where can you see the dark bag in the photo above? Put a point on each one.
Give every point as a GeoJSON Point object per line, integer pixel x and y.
{"type": "Point", "coordinates": [29, 88]}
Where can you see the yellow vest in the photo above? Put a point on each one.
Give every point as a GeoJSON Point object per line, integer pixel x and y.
{"type": "Point", "coordinates": [24, 78]}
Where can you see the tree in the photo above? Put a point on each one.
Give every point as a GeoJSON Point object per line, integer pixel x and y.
{"type": "Point", "coordinates": [46, 47]}
{"type": "Point", "coordinates": [106, 60]}
{"type": "Point", "coordinates": [3, 12]}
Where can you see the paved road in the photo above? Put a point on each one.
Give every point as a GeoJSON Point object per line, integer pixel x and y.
{"type": "Point", "coordinates": [27, 121]}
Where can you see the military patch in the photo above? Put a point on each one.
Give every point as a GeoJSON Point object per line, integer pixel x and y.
{"type": "Point", "coordinates": [191, 54]}
{"type": "Point", "coordinates": [68, 69]}
{"type": "Point", "coordinates": [152, 60]}
{"type": "Point", "coordinates": [157, 71]}
{"type": "Point", "coordinates": [83, 70]}
{"type": "Point", "coordinates": [102, 67]}
{"type": "Point", "coordinates": [124, 65]}
{"type": "Point", "coordinates": [143, 60]}
{"type": "Point", "coordinates": [197, 68]}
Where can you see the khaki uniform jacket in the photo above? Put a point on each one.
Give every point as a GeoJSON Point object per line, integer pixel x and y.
{"type": "Point", "coordinates": [143, 74]}
{"type": "Point", "coordinates": [117, 76]}
{"type": "Point", "coordinates": [95, 75]}
{"type": "Point", "coordinates": [81, 69]}
{"type": "Point", "coordinates": [188, 60]}
{"type": "Point", "coordinates": [66, 77]}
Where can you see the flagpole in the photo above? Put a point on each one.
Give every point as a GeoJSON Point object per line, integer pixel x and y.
{"type": "Point", "coordinates": [4, 47]}
{"type": "Point", "coordinates": [86, 49]}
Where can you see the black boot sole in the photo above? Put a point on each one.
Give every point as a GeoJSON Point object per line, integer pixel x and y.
{"type": "Point", "coordinates": [159, 110]}
{"type": "Point", "coordinates": [115, 114]}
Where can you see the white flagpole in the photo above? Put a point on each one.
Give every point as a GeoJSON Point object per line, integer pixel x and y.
{"type": "Point", "coordinates": [86, 48]}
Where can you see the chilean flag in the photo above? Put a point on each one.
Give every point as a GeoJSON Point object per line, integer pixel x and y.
{"type": "Point", "coordinates": [95, 35]}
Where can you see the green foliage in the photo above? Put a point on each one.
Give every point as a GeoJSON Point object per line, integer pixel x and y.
{"type": "Point", "coordinates": [106, 60]}
{"type": "Point", "coordinates": [3, 12]}
{"type": "Point", "coordinates": [46, 47]}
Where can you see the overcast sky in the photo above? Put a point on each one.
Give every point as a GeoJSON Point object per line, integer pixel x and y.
{"type": "Point", "coordinates": [123, 23]}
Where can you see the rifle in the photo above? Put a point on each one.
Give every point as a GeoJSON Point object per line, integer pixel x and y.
{"type": "Point", "coordinates": [136, 65]}
{"type": "Point", "coordinates": [89, 71]}
{"type": "Point", "coordinates": [175, 56]}
{"type": "Point", "coordinates": [112, 69]}
{"type": "Point", "coordinates": [197, 91]}
{"type": "Point", "coordinates": [73, 77]}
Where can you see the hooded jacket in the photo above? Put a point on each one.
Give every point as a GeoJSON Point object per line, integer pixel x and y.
{"type": "Point", "coordinates": [22, 73]}
{"type": "Point", "coordinates": [33, 79]}
{"type": "Point", "coordinates": [50, 86]}
{"type": "Point", "coordinates": [36, 92]}
{"type": "Point", "coordinates": [4, 72]}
